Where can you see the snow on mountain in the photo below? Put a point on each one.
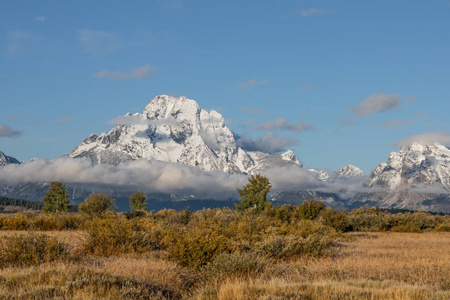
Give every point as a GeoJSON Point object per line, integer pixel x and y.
{"type": "Point", "coordinates": [177, 130]}
{"type": "Point", "coordinates": [320, 175]}
{"type": "Point", "coordinates": [416, 166]}
{"type": "Point", "coordinates": [347, 172]}
{"type": "Point", "coordinates": [6, 160]}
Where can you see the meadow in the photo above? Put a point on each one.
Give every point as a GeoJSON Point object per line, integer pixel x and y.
{"type": "Point", "coordinates": [285, 252]}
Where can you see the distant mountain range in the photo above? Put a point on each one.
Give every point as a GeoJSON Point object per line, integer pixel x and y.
{"type": "Point", "coordinates": [177, 130]}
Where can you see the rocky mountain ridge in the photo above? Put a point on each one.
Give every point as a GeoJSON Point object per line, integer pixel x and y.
{"type": "Point", "coordinates": [174, 129]}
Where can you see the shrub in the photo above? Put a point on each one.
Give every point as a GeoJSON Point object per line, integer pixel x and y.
{"type": "Point", "coordinates": [31, 249]}
{"type": "Point", "coordinates": [96, 205]}
{"type": "Point", "coordinates": [335, 219]}
{"type": "Point", "coordinates": [310, 209]}
{"type": "Point", "coordinates": [112, 235]}
{"type": "Point", "coordinates": [232, 265]}
{"type": "Point", "coordinates": [370, 219]}
{"type": "Point", "coordinates": [195, 247]}
{"type": "Point", "coordinates": [15, 222]}
{"type": "Point", "coordinates": [443, 227]}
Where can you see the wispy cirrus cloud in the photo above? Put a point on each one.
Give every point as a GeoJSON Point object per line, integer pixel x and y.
{"type": "Point", "coordinates": [393, 124]}
{"type": "Point", "coordinates": [253, 110]}
{"type": "Point", "coordinates": [40, 19]}
{"type": "Point", "coordinates": [305, 88]}
{"type": "Point", "coordinates": [98, 42]}
{"type": "Point", "coordinates": [375, 104]}
{"type": "Point", "coordinates": [252, 82]}
{"type": "Point", "coordinates": [304, 13]}
{"type": "Point", "coordinates": [15, 117]}
{"type": "Point", "coordinates": [141, 72]}
{"type": "Point", "coordinates": [282, 123]}
{"type": "Point", "coordinates": [426, 138]}
{"type": "Point", "coordinates": [6, 131]}
{"type": "Point", "coordinates": [17, 42]}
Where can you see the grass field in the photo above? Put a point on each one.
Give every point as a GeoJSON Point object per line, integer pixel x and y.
{"type": "Point", "coordinates": [381, 265]}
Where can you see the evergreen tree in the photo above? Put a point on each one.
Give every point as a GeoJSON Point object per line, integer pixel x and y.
{"type": "Point", "coordinates": [138, 201]}
{"type": "Point", "coordinates": [254, 194]}
{"type": "Point", "coordinates": [56, 200]}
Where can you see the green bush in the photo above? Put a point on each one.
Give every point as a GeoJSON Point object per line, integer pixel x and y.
{"type": "Point", "coordinates": [30, 249]}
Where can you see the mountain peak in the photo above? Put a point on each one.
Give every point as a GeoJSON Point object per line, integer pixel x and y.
{"type": "Point", "coordinates": [6, 160]}
{"type": "Point", "coordinates": [415, 166]}
{"type": "Point", "coordinates": [176, 129]}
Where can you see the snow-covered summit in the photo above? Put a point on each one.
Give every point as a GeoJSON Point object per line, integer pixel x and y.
{"type": "Point", "coordinates": [415, 166]}
{"type": "Point", "coordinates": [6, 160]}
{"type": "Point", "coordinates": [176, 129]}
{"type": "Point", "coordinates": [347, 172]}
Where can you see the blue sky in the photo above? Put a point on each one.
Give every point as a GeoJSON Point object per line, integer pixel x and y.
{"type": "Point", "coordinates": [338, 82]}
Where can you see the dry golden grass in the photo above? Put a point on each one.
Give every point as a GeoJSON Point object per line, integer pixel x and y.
{"type": "Point", "coordinates": [364, 266]}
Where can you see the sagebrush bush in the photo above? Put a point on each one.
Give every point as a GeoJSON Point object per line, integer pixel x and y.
{"type": "Point", "coordinates": [31, 249]}
{"type": "Point", "coordinates": [195, 247]}
{"type": "Point", "coordinates": [15, 222]}
{"type": "Point", "coordinates": [443, 227]}
{"type": "Point", "coordinates": [310, 209]}
{"type": "Point", "coordinates": [336, 219]}
{"type": "Point", "coordinates": [235, 264]}
{"type": "Point", "coordinates": [112, 235]}
{"type": "Point", "coordinates": [97, 205]}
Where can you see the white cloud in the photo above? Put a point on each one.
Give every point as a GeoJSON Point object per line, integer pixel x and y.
{"type": "Point", "coordinates": [392, 124]}
{"type": "Point", "coordinates": [144, 175]}
{"type": "Point", "coordinates": [39, 19]}
{"type": "Point", "coordinates": [313, 11]}
{"type": "Point", "coordinates": [426, 138]}
{"type": "Point", "coordinates": [98, 42]}
{"type": "Point", "coordinates": [269, 143]}
{"type": "Point", "coordinates": [141, 72]}
{"type": "Point", "coordinates": [252, 82]}
{"type": "Point", "coordinates": [282, 123]}
{"type": "Point", "coordinates": [6, 131]}
{"type": "Point", "coordinates": [376, 103]}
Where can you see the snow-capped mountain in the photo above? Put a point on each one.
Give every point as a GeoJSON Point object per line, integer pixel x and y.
{"type": "Point", "coordinates": [416, 166]}
{"type": "Point", "coordinates": [344, 173]}
{"type": "Point", "coordinates": [347, 172]}
{"type": "Point", "coordinates": [6, 160]}
{"type": "Point", "coordinates": [320, 175]}
{"type": "Point", "coordinates": [177, 130]}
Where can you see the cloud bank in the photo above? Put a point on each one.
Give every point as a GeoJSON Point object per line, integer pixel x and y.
{"type": "Point", "coordinates": [161, 177]}
{"type": "Point", "coordinates": [426, 138]}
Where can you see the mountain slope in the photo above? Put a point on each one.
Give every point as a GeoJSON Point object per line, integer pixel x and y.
{"type": "Point", "coordinates": [177, 130]}
{"type": "Point", "coordinates": [6, 160]}
{"type": "Point", "coordinates": [416, 166]}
